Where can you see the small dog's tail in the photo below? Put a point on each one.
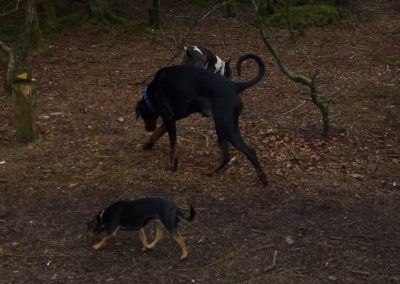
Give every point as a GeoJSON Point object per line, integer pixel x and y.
{"type": "Point", "coordinates": [261, 71]}
{"type": "Point", "coordinates": [189, 218]}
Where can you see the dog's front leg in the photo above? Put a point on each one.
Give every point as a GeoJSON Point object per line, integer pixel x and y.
{"type": "Point", "coordinates": [181, 242]}
{"type": "Point", "coordinates": [154, 137]}
{"type": "Point", "coordinates": [171, 128]}
{"type": "Point", "coordinates": [143, 240]}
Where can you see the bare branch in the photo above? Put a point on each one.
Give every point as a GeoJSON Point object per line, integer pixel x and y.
{"type": "Point", "coordinates": [309, 82]}
{"type": "Point", "coordinates": [12, 11]}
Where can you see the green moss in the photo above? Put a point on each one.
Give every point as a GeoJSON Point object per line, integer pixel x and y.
{"type": "Point", "coordinates": [307, 16]}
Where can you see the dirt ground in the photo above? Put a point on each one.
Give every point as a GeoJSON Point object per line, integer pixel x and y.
{"type": "Point", "coordinates": [331, 210]}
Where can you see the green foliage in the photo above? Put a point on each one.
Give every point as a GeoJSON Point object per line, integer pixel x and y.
{"type": "Point", "coordinates": [306, 16]}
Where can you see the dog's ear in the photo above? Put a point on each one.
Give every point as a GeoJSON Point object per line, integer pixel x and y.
{"type": "Point", "coordinates": [188, 52]}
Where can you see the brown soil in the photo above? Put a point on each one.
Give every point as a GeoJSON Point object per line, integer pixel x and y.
{"type": "Point", "coordinates": [332, 207]}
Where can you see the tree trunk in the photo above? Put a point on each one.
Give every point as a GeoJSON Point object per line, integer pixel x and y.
{"type": "Point", "coordinates": [37, 44]}
{"type": "Point", "coordinates": [49, 20]}
{"type": "Point", "coordinates": [23, 117]}
{"type": "Point", "coordinates": [270, 7]}
{"type": "Point", "coordinates": [10, 68]}
{"type": "Point", "coordinates": [154, 14]}
{"type": "Point", "coordinates": [229, 10]}
{"type": "Point", "coordinates": [100, 10]}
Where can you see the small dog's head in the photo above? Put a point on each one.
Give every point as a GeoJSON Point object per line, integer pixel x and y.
{"type": "Point", "coordinates": [97, 225]}
{"type": "Point", "coordinates": [149, 116]}
{"type": "Point", "coordinates": [195, 56]}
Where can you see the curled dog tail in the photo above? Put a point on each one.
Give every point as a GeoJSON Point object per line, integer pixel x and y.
{"type": "Point", "coordinates": [261, 72]}
{"type": "Point", "coordinates": [189, 218]}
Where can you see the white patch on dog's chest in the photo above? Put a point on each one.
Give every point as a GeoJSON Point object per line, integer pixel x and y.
{"type": "Point", "coordinates": [219, 66]}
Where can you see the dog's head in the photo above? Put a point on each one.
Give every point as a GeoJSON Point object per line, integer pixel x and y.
{"type": "Point", "coordinates": [149, 116]}
{"type": "Point", "coordinates": [97, 225]}
{"type": "Point", "coordinates": [196, 56]}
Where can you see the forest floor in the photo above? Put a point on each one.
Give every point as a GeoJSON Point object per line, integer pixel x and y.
{"type": "Point", "coordinates": [331, 210]}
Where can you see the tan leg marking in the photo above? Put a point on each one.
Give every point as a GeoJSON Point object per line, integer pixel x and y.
{"type": "Point", "coordinates": [143, 239]}
{"type": "Point", "coordinates": [105, 240]}
{"type": "Point", "coordinates": [181, 242]}
{"type": "Point", "coordinates": [159, 235]}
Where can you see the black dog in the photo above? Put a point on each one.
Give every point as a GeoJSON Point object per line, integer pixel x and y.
{"type": "Point", "coordinates": [134, 215]}
{"type": "Point", "coordinates": [178, 91]}
{"type": "Point", "coordinates": [198, 56]}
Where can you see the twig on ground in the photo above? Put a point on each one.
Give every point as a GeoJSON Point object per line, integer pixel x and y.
{"type": "Point", "coordinates": [291, 110]}
{"type": "Point", "coordinates": [204, 135]}
{"type": "Point", "coordinates": [360, 272]}
{"type": "Point", "coordinates": [273, 264]}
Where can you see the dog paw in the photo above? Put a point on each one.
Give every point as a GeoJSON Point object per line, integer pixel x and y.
{"type": "Point", "coordinates": [144, 249]}
{"type": "Point", "coordinates": [184, 256]}
{"type": "Point", "coordinates": [148, 146]}
{"type": "Point", "coordinates": [96, 247]}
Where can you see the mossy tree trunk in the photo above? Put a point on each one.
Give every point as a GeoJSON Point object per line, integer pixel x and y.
{"type": "Point", "coordinates": [23, 114]}
{"type": "Point", "coordinates": [154, 14]}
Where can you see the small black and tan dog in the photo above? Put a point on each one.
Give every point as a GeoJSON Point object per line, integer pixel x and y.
{"type": "Point", "coordinates": [178, 91]}
{"type": "Point", "coordinates": [199, 56]}
{"type": "Point", "coordinates": [135, 214]}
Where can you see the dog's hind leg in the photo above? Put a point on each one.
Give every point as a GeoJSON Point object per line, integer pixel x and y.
{"type": "Point", "coordinates": [159, 236]}
{"type": "Point", "coordinates": [105, 240]}
{"type": "Point", "coordinates": [224, 158]}
{"type": "Point", "coordinates": [154, 137]}
{"type": "Point", "coordinates": [181, 242]}
{"type": "Point", "coordinates": [171, 128]}
{"type": "Point", "coordinates": [237, 141]}
{"type": "Point", "coordinates": [143, 239]}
